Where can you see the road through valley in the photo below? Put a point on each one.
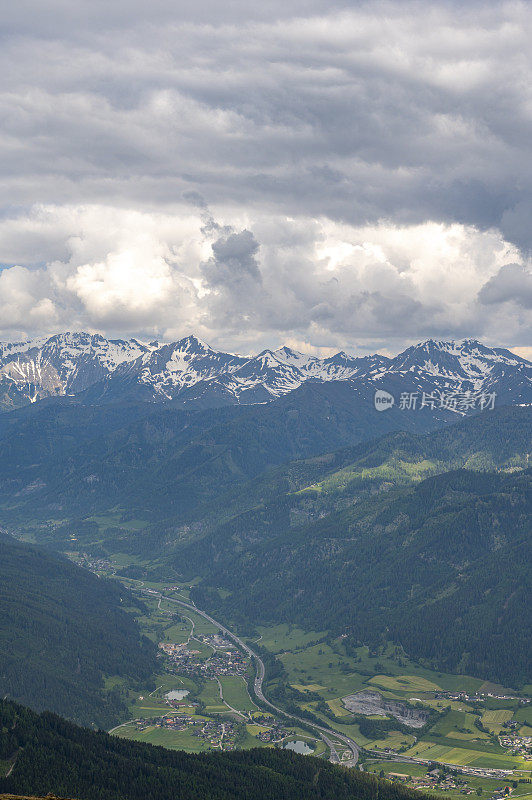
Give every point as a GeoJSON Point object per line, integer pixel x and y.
{"type": "Point", "coordinates": [330, 737]}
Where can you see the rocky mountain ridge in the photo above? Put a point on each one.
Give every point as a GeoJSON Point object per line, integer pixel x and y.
{"type": "Point", "coordinates": [192, 374]}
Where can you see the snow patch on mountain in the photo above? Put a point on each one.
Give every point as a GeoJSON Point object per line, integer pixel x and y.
{"type": "Point", "coordinates": [62, 364]}
{"type": "Point", "coordinates": [194, 374]}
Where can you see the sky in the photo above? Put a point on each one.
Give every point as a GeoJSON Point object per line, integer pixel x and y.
{"type": "Point", "coordinates": [327, 175]}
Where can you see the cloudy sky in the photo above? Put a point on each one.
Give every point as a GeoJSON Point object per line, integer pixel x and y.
{"type": "Point", "coordinates": [314, 172]}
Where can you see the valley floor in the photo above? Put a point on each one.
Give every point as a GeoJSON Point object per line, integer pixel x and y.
{"type": "Point", "coordinates": [478, 730]}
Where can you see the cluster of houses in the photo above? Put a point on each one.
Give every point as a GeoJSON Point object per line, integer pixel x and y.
{"type": "Point", "coordinates": [518, 745]}
{"type": "Point", "coordinates": [479, 697]}
{"type": "Point", "coordinates": [97, 565]}
{"type": "Point", "coordinates": [443, 780]}
{"type": "Point", "coordinates": [216, 734]}
{"type": "Point", "coordinates": [177, 723]}
{"type": "Point", "coordinates": [226, 661]}
{"type": "Point", "coordinates": [273, 735]}
{"type": "Point", "coordinates": [430, 781]}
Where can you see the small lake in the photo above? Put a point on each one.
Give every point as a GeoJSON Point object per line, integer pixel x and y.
{"type": "Point", "coordinates": [177, 694]}
{"type": "Point", "coordinates": [299, 746]}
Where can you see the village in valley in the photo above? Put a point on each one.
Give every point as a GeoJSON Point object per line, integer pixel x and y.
{"type": "Point", "coordinates": [225, 660]}
{"type": "Point", "coordinates": [203, 700]}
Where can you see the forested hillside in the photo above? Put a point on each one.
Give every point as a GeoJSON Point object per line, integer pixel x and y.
{"type": "Point", "coordinates": [300, 490]}
{"type": "Point", "coordinates": [62, 630]}
{"type": "Point", "coordinates": [53, 755]}
{"type": "Point", "coordinates": [442, 567]}
{"type": "Point", "coordinates": [162, 462]}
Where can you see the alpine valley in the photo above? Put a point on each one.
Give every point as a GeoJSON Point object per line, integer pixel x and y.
{"type": "Point", "coordinates": [209, 552]}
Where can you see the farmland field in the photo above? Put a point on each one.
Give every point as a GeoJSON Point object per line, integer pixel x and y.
{"type": "Point", "coordinates": [394, 740]}
{"type": "Point", "coordinates": [460, 755]}
{"type": "Point", "coordinates": [210, 695]}
{"type": "Point", "coordinates": [173, 740]}
{"type": "Point", "coordinates": [287, 637]}
{"type": "Point", "coordinates": [235, 693]}
{"type": "Point", "coordinates": [458, 724]}
{"type": "Point", "coordinates": [493, 720]}
{"type": "Point", "coordinates": [402, 683]}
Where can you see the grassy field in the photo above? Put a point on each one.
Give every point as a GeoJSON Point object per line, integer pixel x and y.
{"type": "Point", "coordinates": [458, 725]}
{"type": "Point", "coordinates": [493, 720]}
{"type": "Point", "coordinates": [202, 626]}
{"type": "Point", "coordinates": [338, 708]}
{"type": "Point", "coordinates": [394, 740]}
{"type": "Point", "coordinates": [173, 740]}
{"type": "Point", "coordinates": [524, 714]}
{"type": "Point", "coordinates": [146, 710]}
{"type": "Point", "coordinates": [178, 633]}
{"type": "Point", "coordinates": [404, 683]}
{"type": "Point", "coordinates": [166, 681]}
{"type": "Point", "coordinates": [210, 695]}
{"type": "Point", "coordinates": [488, 785]}
{"type": "Point", "coordinates": [255, 729]}
{"type": "Point", "coordinates": [320, 665]}
{"type": "Point", "coordinates": [235, 693]}
{"type": "Point", "coordinates": [309, 687]}
{"type": "Point", "coordinates": [278, 638]}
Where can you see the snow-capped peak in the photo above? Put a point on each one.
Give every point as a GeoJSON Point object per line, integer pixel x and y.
{"type": "Point", "coordinates": [191, 344]}
{"type": "Point", "coordinates": [69, 363]}
{"type": "Point", "coordinates": [467, 359]}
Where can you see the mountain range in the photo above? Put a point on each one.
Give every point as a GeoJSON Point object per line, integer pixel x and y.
{"type": "Point", "coordinates": [270, 476]}
{"type": "Point", "coordinates": [190, 374]}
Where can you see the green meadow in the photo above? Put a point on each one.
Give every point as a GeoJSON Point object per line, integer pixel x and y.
{"type": "Point", "coordinates": [173, 740]}
{"type": "Point", "coordinates": [321, 670]}
{"type": "Point", "coordinates": [236, 694]}
{"type": "Point", "coordinates": [316, 665]}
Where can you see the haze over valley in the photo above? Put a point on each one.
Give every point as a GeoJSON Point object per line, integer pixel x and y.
{"type": "Point", "coordinates": [265, 400]}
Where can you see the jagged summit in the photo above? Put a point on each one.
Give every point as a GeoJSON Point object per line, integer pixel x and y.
{"type": "Point", "coordinates": [467, 359]}
{"type": "Point", "coordinates": [193, 374]}
{"type": "Point", "coordinates": [192, 344]}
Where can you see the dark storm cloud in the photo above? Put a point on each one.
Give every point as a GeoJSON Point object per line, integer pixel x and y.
{"type": "Point", "coordinates": [233, 261]}
{"type": "Point", "coordinates": [513, 282]}
{"type": "Point", "coordinates": [270, 122]}
{"type": "Point", "coordinates": [358, 113]}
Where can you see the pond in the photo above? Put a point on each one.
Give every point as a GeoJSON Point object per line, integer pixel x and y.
{"type": "Point", "coordinates": [299, 746]}
{"type": "Point", "coordinates": [177, 694]}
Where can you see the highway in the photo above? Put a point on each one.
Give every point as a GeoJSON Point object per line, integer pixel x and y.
{"type": "Point", "coordinates": [325, 733]}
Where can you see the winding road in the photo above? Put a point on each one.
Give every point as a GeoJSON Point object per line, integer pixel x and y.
{"type": "Point", "coordinates": [327, 734]}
